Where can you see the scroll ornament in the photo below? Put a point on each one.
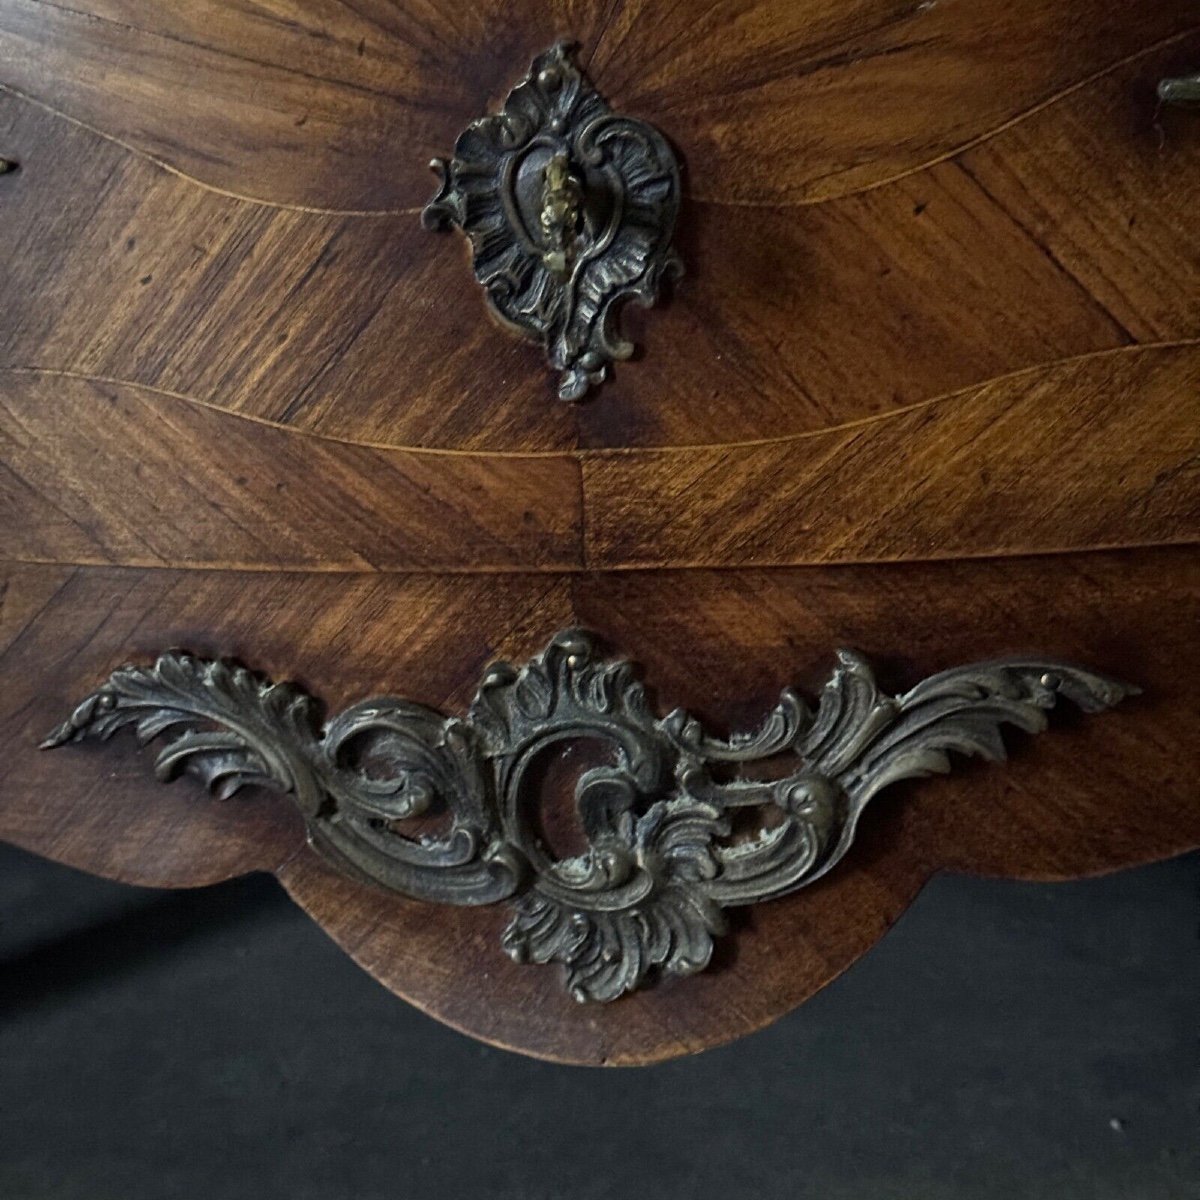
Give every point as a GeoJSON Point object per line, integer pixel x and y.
{"type": "Point", "coordinates": [649, 894]}
{"type": "Point", "coordinates": [569, 209]}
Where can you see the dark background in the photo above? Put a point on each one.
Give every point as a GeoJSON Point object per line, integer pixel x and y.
{"type": "Point", "coordinates": [1005, 1039]}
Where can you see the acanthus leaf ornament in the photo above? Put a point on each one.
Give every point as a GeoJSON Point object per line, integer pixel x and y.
{"type": "Point", "coordinates": [648, 895]}
{"type": "Point", "coordinates": [569, 209]}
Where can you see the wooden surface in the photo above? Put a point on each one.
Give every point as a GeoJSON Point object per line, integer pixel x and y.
{"type": "Point", "coordinates": [1088, 795]}
{"type": "Point", "coordinates": [930, 388]}
{"type": "Point", "coordinates": [1067, 230]}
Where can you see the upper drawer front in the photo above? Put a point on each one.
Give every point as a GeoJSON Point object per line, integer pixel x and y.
{"type": "Point", "coordinates": [885, 203]}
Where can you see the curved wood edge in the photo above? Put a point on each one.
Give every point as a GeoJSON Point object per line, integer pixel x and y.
{"type": "Point", "coordinates": [1090, 795]}
{"type": "Point", "coordinates": [748, 986]}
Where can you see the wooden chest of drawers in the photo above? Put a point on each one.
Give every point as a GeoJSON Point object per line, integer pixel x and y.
{"type": "Point", "coordinates": [928, 388]}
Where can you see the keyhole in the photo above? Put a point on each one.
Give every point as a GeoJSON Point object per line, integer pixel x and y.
{"type": "Point", "coordinates": [551, 780]}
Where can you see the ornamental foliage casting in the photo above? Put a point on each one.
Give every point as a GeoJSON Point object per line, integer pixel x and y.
{"type": "Point", "coordinates": [648, 895]}
{"type": "Point", "coordinates": [569, 209]}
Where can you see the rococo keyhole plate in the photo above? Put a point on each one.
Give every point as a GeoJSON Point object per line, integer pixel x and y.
{"type": "Point", "coordinates": [569, 209]}
{"type": "Point", "coordinates": [648, 895]}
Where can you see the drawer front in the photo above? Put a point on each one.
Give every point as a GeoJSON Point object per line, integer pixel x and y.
{"type": "Point", "coordinates": [927, 391]}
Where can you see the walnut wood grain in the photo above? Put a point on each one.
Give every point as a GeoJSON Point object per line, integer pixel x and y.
{"type": "Point", "coordinates": [935, 360]}
{"type": "Point", "coordinates": [340, 106]}
{"type": "Point", "coordinates": [1092, 794]}
{"type": "Point", "coordinates": [367, 328]}
{"type": "Point", "coordinates": [1067, 232]}
{"type": "Point", "coordinates": [100, 472]}
{"type": "Point", "coordinates": [870, 90]}
{"type": "Point", "coordinates": [1099, 451]}
{"type": "Point", "coordinates": [108, 819]}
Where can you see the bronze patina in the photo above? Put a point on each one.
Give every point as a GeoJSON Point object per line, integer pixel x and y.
{"type": "Point", "coordinates": [569, 209]}
{"type": "Point", "coordinates": [648, 895]}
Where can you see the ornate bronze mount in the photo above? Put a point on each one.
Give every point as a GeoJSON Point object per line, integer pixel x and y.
{"type": "Point", "coordinates": [648, 894]}
{"type": "Point", "coordinates": [569, 209]}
